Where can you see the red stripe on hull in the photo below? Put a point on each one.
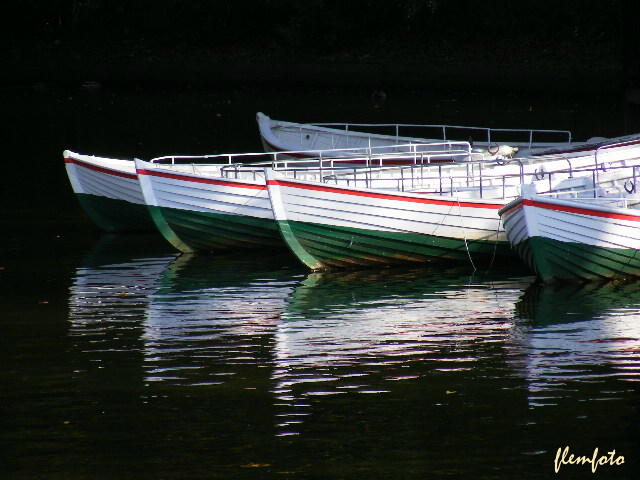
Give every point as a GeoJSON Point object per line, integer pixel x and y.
{"type": "Point", "coordinates": [383, 196]}
{"type": "Point", "coordinates": [95, 168]}
{"type": "Point", "coordinates": [580, 211]}
{"type": "Point", "coordinates": [208, 181]}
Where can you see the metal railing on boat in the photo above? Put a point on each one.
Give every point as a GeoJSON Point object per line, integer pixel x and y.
{"type": "Point", "coordinates": [293, 158]}
{"type": "Point", "coordinates": [486, 136]}
{"type": "Point", "coordinates": [480, 180]}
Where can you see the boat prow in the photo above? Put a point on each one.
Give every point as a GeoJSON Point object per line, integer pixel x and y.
{"type": "Point", "coordinates": [108, 191]}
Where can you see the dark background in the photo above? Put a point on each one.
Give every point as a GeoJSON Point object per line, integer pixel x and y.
{"type": "Point", "coordinates": [155, 77]}
{"type": "Point", "coordinates": [588, 45]}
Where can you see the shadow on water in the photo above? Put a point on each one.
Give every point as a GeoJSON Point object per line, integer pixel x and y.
{"type": "Point", "coordinates": [110, 249]}
{"type": "Point", "coordinates": [189, 272]}
{"type": "Point", "coordinates": [328, 292]}
{"type": "Point", "coordinates": [565, 303]}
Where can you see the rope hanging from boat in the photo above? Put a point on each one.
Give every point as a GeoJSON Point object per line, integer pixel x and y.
{"type": "Point", "coordinates": [466, 245]}
{"type": "Point", "coordinates": [495, 246]}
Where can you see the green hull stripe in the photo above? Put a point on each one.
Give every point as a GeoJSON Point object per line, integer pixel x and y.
{"type": "Point", "coordinates": [191, 231]}
{"type": "Point", "coordinates": [324, 247]}
{"type": "Point", "coordinates": [116, 215]}
{"type": "Point", "coordinates": [553, 260]}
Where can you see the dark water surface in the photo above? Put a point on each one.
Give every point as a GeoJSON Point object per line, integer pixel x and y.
{"type": "Point", "coordinates": [122, 359]}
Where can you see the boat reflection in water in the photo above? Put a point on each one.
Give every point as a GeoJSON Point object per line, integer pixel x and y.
{"type": "Point", "coordinates": [110, 292]}
{"type": "Point", "coordinates": [366, 332]}
{"type": "Point", "coordinates": [314, 346]}
{"type": "Point", "coordinates": [211, 316]}
{"type": "Point", "coordinates": [580, 336]}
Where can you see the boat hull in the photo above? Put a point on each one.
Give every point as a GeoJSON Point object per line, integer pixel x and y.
{"type": "Point", "coordinates": [207, 213]}
{"type": "Point", "coordinates": [115, 216]}
{"type": "Point", "coordinates": [329, 227]}
{"type": "Point", "coordinates": [277, 136]}
{"type": "Point", "coordinates": [109, 192]}
{"type": "Point", "coordinates": [555, 260]}
{"type": "Point", "coordinates": [191, 231]}
{"type": "Point", "coordinates": [325, 247]}
{"type": "Point", "coordinates": [574, 241]}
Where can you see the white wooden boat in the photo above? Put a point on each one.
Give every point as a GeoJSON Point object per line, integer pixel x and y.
{"type": "Point", "coordinates": [200, 206]}
{"type": "Point", "coordinates": [277, 135]}
{"type": "Point", "coordinates": [108, 191]}
{"type": "Point", "coordinates": [198, 209]}
{"type": "Point", "coordinates": [328, 226]}
{"type": "Point", "coordinates": [437, 213]}
{"type": "Point", "coordinates": [592, 233]}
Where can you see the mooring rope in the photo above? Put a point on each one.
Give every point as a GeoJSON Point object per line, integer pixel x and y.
{"type": "Point", "coordinates": [495, 245]}
{"type": "Point", "coordinates": [464, 233]}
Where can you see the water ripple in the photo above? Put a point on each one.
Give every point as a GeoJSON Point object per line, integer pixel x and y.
{"type": "Point", "coordinates": [211, 322]}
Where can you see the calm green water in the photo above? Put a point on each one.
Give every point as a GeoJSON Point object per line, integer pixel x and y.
{"type": "Point", "coordinates": [122, 359]}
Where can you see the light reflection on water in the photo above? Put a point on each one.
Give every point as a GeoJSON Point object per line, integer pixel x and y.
{"type": "Point", "coordinates": [109, 294]}
{"type": "Point", "coordinates": [588, 333]}
{"type": "Point", "coordinates": [200, 321]}
{"type": "Point", "coordinates": [213, 316]}
{"type": "Point", "coordinates": [363, 332]}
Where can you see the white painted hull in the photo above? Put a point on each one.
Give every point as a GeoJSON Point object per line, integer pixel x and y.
{"type": "Point", "coordinates": [103, 177]}
{"type": "Point", "coordinates": [196, 211]}
{"type": "Point", "coordinates": [329, 227]}
{"type": "Point", "coordinates": [281, 136]}
{"type": "Point", "coordinates": [574, 221]}
{"type": "Point", "coordinates": [577, 239]}
{"type": "Point", "coordinates": [403, 212]}
{"type": "Point", "coordinates": [446, 217]}
{"type": "Point", "coordinates": [168, 186]}
{"type": "Point", "coordinates": [108, 192]}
